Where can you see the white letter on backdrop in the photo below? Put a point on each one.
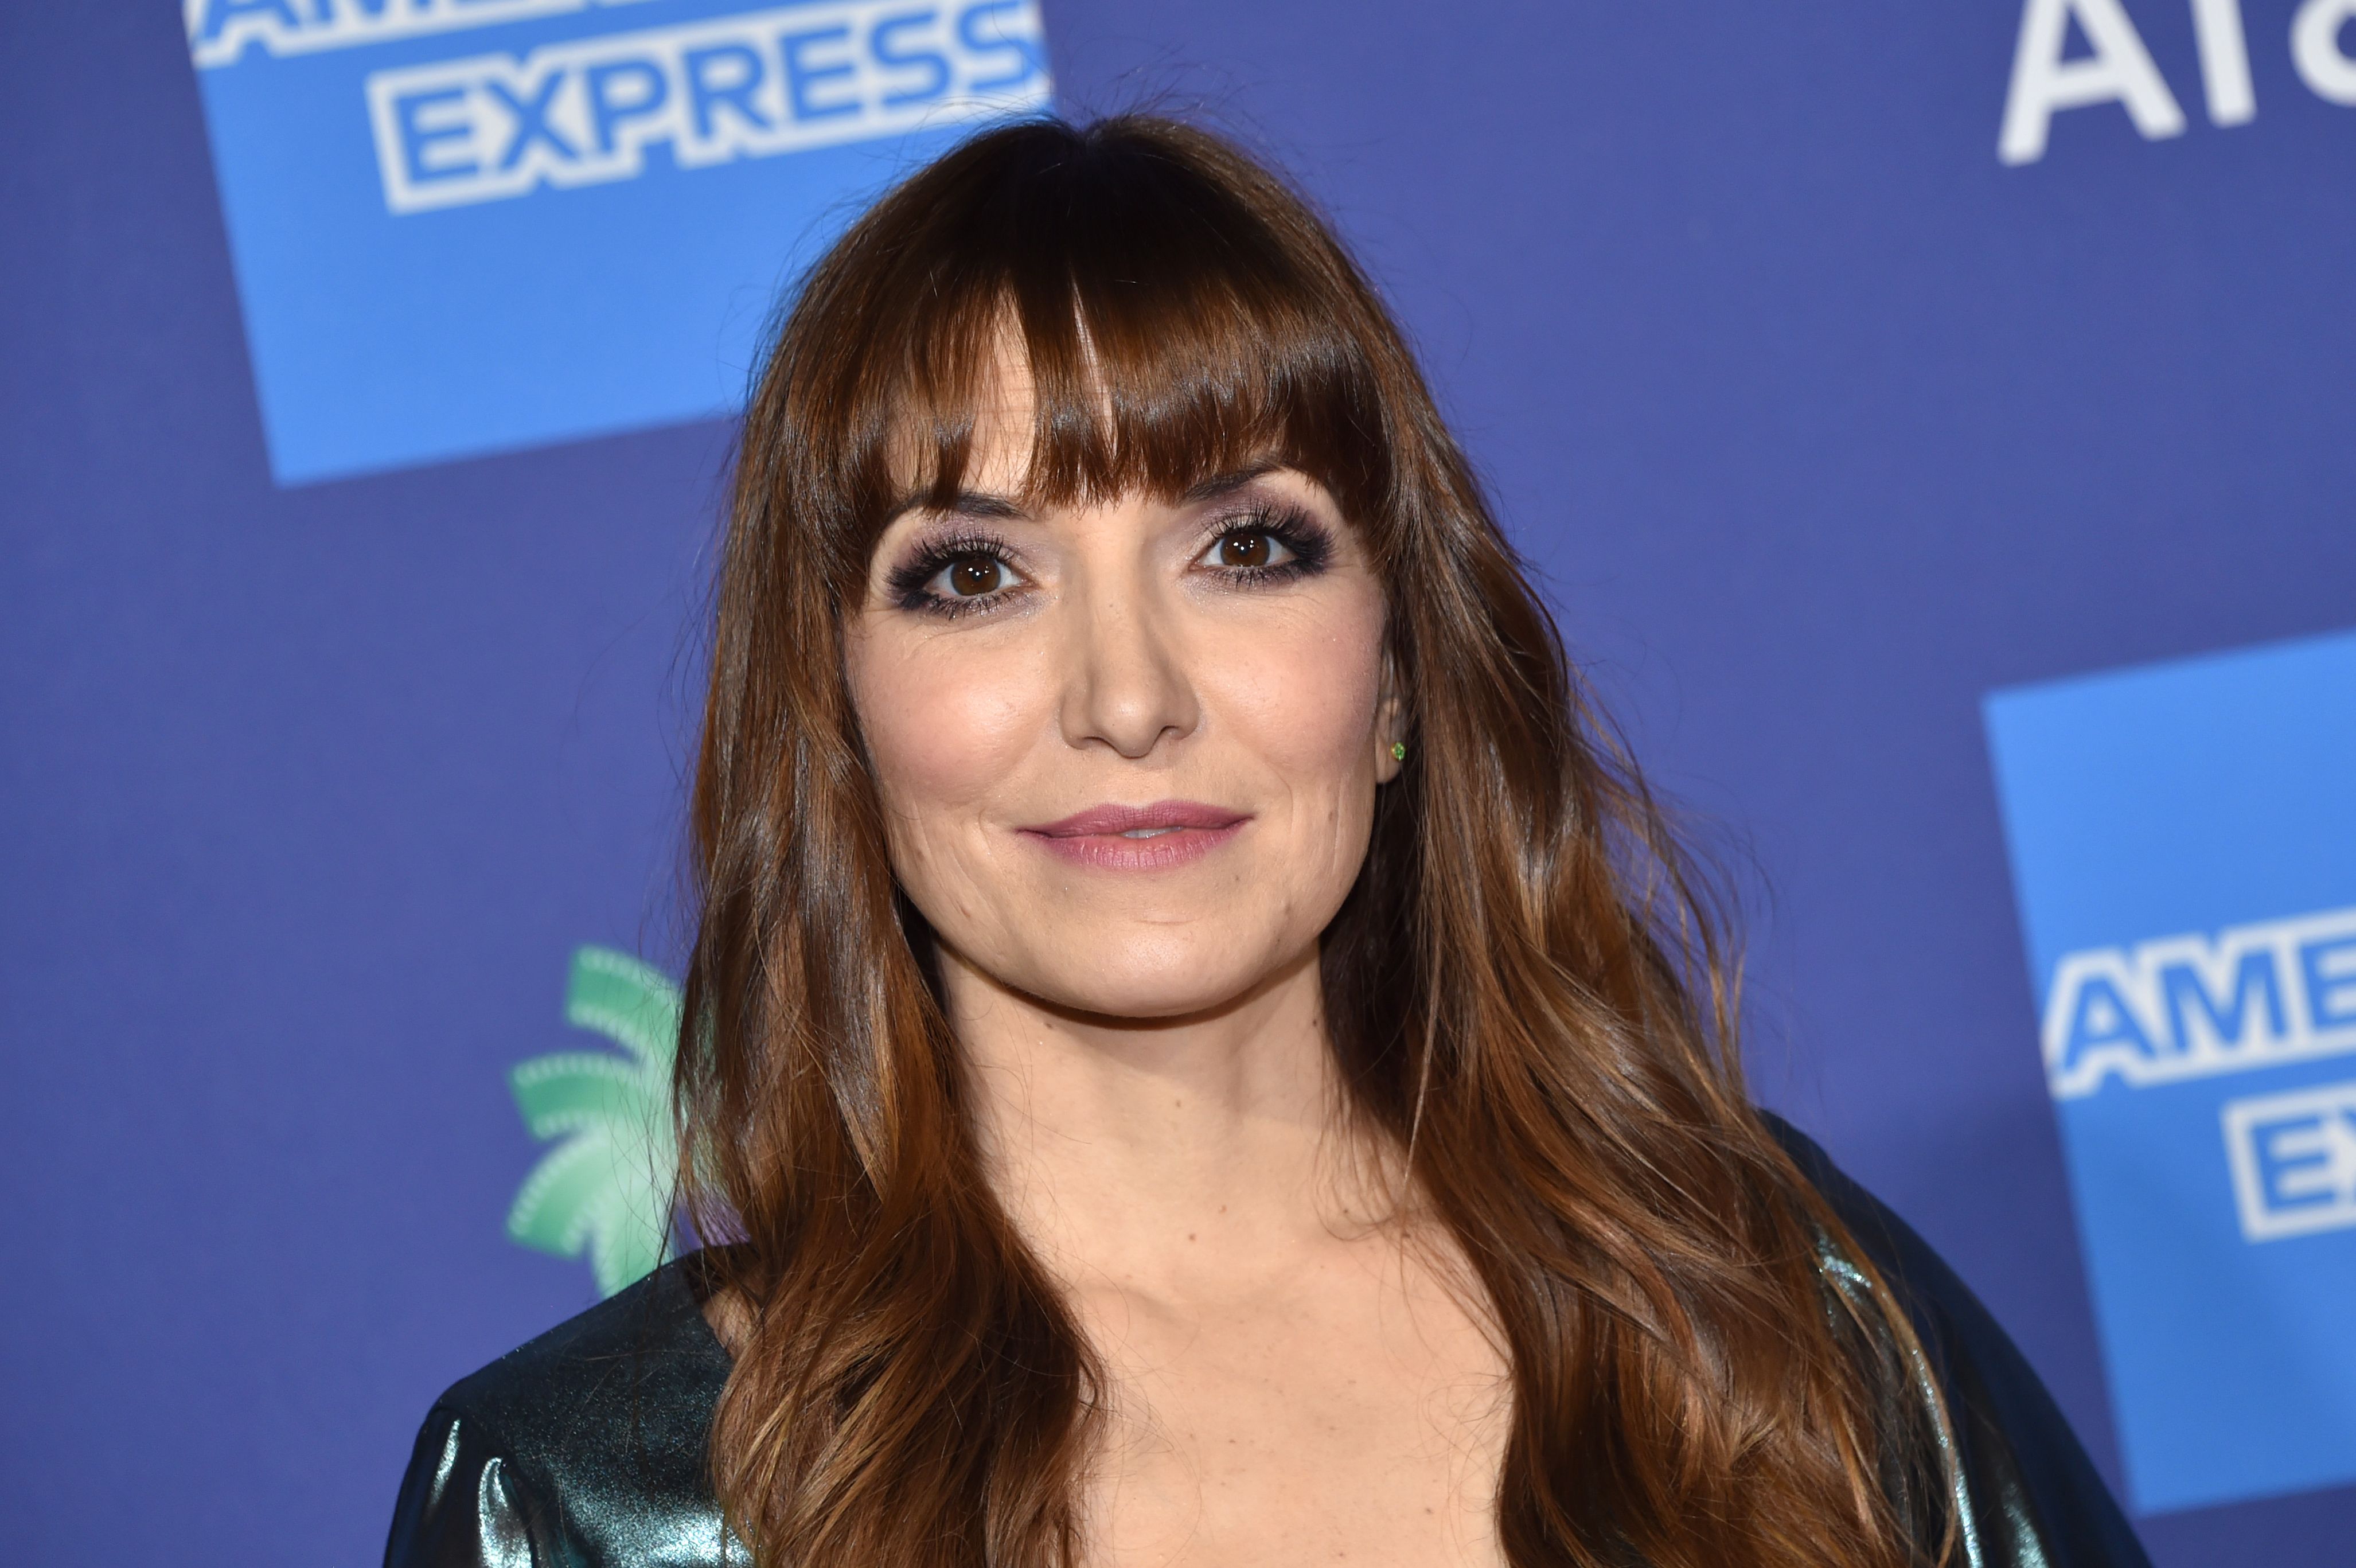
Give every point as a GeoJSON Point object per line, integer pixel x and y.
{"type": "Point", "coordinates": [2315, 50]}
{"type": "Point", "coordinates": [2120, 70]}
{"type": "Point", "coordinates": [2224, 61]}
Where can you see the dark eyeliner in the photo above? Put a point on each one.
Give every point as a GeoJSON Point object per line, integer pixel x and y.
{"type": "Point", "coordinates": [1310, 541]}
{"type": "Point", "coordinates": [908, 583]}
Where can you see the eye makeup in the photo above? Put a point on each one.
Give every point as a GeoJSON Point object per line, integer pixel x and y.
{"type": "Point", "coordinates": [1307, 544]}
{"type": "Point", "coordinates": [914, 584]}
{"type": "Point", "coordinates": [1259, 544]}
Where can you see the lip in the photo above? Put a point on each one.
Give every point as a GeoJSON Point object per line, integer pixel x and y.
{"type": "Point", "coordinates": [1171, 833]}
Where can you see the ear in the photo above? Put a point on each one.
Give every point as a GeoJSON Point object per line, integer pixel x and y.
{"type": "Point", "coordinates": [1390, 724]}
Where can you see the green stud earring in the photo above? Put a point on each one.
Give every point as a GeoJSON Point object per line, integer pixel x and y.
{"type": "Point", "coordinates": [1399, 751]}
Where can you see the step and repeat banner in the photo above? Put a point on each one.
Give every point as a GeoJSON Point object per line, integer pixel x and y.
{"type": "Point", "coordinates": [1936, 429]}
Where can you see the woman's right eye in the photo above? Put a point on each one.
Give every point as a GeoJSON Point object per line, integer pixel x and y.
{"type": "Point", "coordinates": [971, 576]}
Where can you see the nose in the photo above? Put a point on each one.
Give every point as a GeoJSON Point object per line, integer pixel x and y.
{"type": "Point", "coordinates": [1127, 687]}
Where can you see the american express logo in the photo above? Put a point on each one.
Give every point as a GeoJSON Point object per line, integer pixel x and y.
{"type": "Point", "coordinates": [2293, 1161]}
{"type": "Point", "coordinates": [752, 85]}
{"type": "Point", "coordinates": [222, 31]}
{"type": "Point", "coordinates": [2192, 1006]}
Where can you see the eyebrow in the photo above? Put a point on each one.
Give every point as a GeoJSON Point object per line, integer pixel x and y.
{"type": "Point", "coordinates": [965, 503]}
{"type": "Point", "coordinates": [1227, 484]}
{"type": "Point", "coordinates": [983, 504]}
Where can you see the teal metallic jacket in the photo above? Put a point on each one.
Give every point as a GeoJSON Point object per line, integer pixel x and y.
{"type": "Point", "coordinates": [588, 1447]}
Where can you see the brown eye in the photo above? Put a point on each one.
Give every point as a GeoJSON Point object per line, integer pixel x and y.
{"type": "Point", "coordinates": [1252, 551]}
{"type": "Point", "coordinates": [971, 576]}
{"type": "Point", "coordinates": [1246, 550]}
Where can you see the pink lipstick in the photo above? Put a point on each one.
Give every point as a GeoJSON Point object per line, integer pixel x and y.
{"type": "Point", "coordinates": [1139, 838]}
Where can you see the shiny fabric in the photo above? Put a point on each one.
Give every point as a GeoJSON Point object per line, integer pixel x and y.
{"type": "Point", "coordinates": [586, 1448]}
{"type": "Point", "coordinates": [2025, 1494]}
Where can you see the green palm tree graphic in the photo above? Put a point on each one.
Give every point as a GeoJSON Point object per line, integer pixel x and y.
{"type": "Point", "coordinates": [607, 1187]}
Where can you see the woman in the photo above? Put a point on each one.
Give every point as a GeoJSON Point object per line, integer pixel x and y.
{"type": "Point", "coordinates": [1199, 1053]}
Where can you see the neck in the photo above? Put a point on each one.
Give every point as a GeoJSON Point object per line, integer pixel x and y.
{"type": "Point", "coordinates": [1170, 1155]}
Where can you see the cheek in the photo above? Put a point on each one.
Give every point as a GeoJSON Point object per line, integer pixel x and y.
{"type": "Point", "coordinates": [1304, 697]}
{"type": "Point", "coordinates": [942, 730]}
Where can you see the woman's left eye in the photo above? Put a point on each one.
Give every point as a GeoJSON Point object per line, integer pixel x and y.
{"type": "Point", "coordinates": [1247, 549]}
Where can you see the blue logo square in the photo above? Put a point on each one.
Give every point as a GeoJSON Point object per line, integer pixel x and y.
{"type": "Point", "coordinates": [2184, 852]}
{"type": "Point", "coordinates": [467, 226]}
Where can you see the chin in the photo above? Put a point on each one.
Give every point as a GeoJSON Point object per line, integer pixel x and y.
{"type": "Point", "coordinates": [1146, 978]}
{"type": "Point", "coordinates": [1144, 995]}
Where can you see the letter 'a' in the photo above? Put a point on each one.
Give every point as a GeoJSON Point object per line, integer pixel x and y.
{"type": "Point", "coordinates": [2119, 70]}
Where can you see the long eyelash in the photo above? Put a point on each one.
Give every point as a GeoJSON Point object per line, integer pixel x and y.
{"type": "Point", "coordinates": [1310, 542]}
{"type": "Point", "coordinates": [908, 581]}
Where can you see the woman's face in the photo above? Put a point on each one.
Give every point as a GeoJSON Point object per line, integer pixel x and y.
{"type": "Point", "coordinates": [1128, 753]}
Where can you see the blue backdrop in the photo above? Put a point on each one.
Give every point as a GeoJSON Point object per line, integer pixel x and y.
{"type": "Point", "coordinates": [1839, 365]}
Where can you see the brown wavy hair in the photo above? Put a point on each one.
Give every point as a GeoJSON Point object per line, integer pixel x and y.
{"type": "Point", "coordinates": [1526, 991]}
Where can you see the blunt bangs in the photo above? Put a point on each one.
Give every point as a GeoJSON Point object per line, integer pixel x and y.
{"type": "Point", "coordinates": [1171, 327]}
